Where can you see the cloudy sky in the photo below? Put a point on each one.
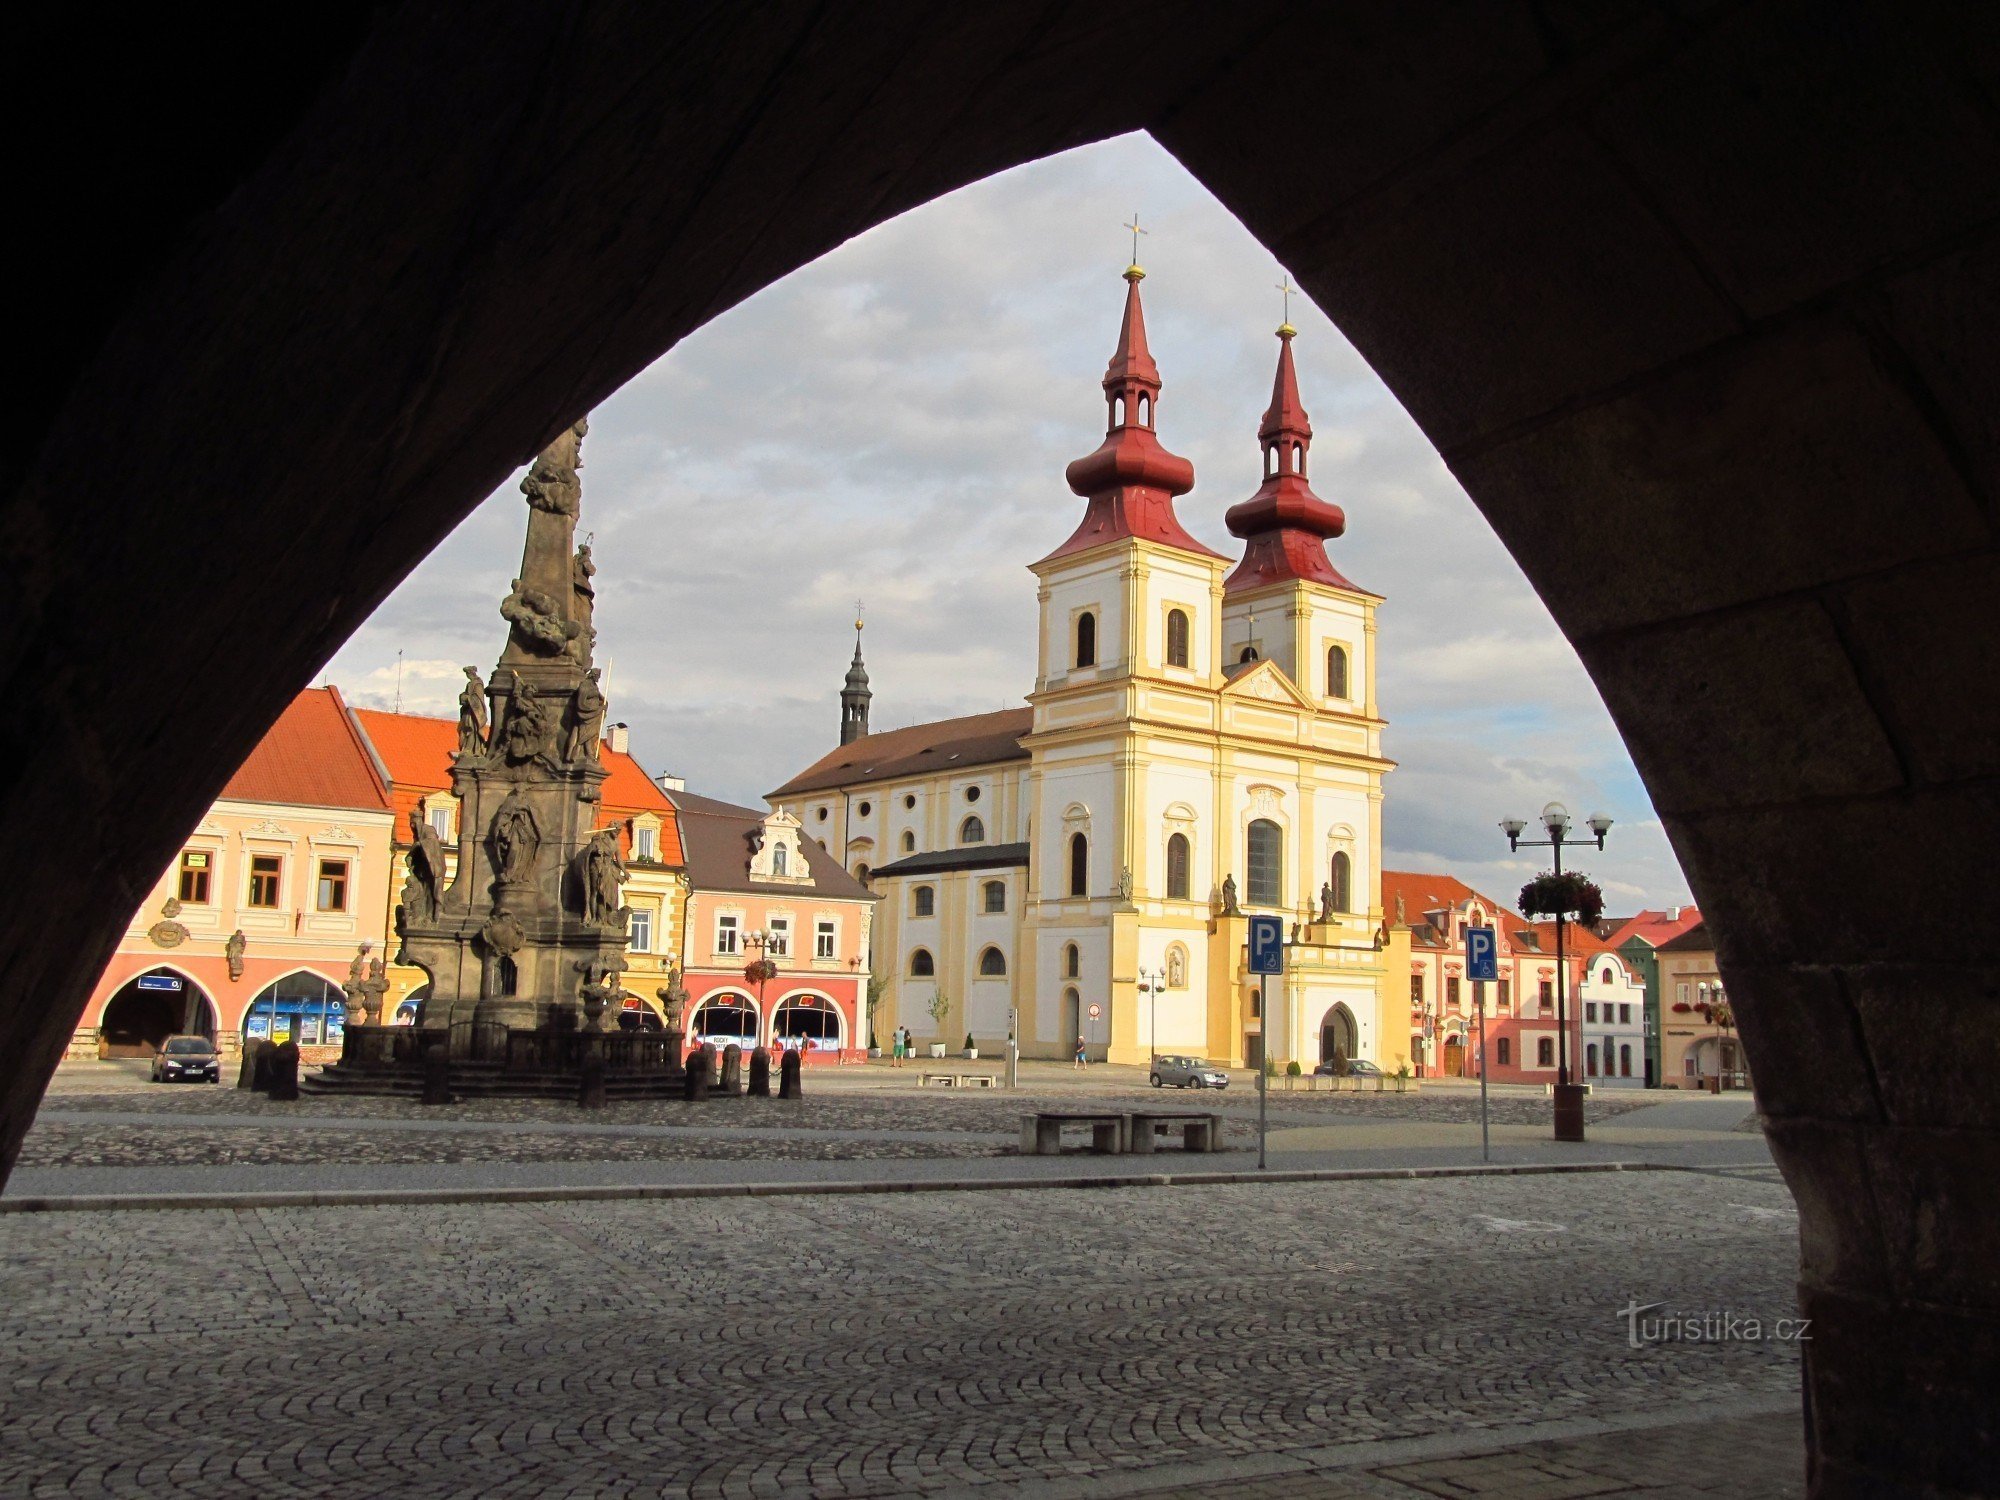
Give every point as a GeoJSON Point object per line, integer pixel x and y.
{"type": "Point", "coordinates": [890, 425]}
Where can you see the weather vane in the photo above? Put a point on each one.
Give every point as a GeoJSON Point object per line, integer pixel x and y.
{"type": "Point", "coordinates": [1136, 232]}
{"type": "Point", "coordinates": [1285, 286]}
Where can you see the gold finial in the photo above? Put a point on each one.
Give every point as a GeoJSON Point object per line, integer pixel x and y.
{"type": "Point", "coordinates": [857, 617]}
{"type": "Point", "coordinates": [1285, 329]}
{"type": "Point", "coordinates": [1135, 272]}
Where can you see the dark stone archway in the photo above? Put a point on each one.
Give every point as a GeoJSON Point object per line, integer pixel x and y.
{"type": "Point", "coordinates": [1712, 290]}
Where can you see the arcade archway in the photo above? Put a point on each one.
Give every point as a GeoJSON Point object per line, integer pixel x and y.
{"type": "Point", "coordinates": [151, 1007]}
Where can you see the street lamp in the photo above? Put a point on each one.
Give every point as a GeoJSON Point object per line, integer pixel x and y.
{"type": "Point", "coordinates": [1151, 982]}
{"type": "Point", "coordinates": [763, 939]}
{"type": "Point", "coordinates": [1556, 822]}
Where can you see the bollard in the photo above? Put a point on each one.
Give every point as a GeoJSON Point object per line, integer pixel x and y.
{"type": "Point", "coordinates": [437, 1074]}
{"type": "Point", "coordinates": [590, 1084]}
{"type": "Point", "coordinates": [789, 1069]}
{"type": "Point", "coordinates": [248, 1065]}
{"type": "Point", "coordinates": [760, 1074]}
{"type": "Point", "coordinates": [285, 1071]}
{"type": "Point", "coordinates": [695, 1086]}
{"type": "Point", "coordinates": [732, 1070]}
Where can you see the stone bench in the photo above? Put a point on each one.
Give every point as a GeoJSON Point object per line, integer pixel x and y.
{"type": "Point", "coordinates": [1041, 1134]}
{"type": "Point", "coordinates": [1199, 1132]}
{"type": "Point", "coordinates": [955, 1080]}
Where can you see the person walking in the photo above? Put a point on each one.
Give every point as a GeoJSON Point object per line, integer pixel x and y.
{"type": "Point", "coordinates": [896, 1048]}
{"type": "Point", "coordinates": [1079, 1053]}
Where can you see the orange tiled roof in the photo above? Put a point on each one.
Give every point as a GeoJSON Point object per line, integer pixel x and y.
{"type": "Point", "coordinates": [1425, 892]}
{"type": "Point", "coordinates": [1656, 927]}
{"type": "Point", "coordinates": [312, 757]}
{"type": "Point", "coordinates": [417, 751]}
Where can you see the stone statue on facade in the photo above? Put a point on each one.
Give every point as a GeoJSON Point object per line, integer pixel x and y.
{"type": "Point", "coordinates": [1229, 906]}
{"type": "Point", "coordinates": [1123, 890]}
{"type": "Point", "coordinates": [1326, 902]}
{"type": "Point", "coordinates": [472, 715]}
{"type": "Point", "coordinates": [673, 999]}
{"type": "Point", "coordinates": [515, 838]}
{"type": "Point", "coordinates": [423, 893]}
{"type": "Point", "coordinates": [603, 877]}
{"type": "Point", "coordinates": [589, 725]}
{"type": "Point", "coordinates": [233, 951]}
{"type": "Point", "coordinates": [1401, 921]}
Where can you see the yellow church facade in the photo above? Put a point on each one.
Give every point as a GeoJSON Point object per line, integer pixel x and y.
{"type": "Point", "coordinates": [1202, 743]}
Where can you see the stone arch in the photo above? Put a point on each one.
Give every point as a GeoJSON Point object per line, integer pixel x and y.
{"type": "Point", "coordinates": [303, 1004]}
{"type": "Point", "coordinates": [1682, 292]}
{"type": "Point", "coordinates": [137, 1018]}
{"type": "Point", "coordinates": [1338, 1033]}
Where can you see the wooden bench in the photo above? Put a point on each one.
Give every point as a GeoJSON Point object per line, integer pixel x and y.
{"type": "Point", "coordinates": [1199, 1132]}
{"type": "Point", "coordinates": [1041, 1134]}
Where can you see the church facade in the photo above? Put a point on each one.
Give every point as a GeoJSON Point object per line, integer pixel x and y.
{"type": "Point", "coordinates": [1202, 743]}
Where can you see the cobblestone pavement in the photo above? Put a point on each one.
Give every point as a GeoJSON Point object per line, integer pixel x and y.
{"type": "Point", "coordinates": [1137, 1339]}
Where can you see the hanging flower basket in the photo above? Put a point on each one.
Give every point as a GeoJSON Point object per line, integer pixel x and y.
{"type": "Point", "coordinates": [1681, 1007]}
{"type": "Point", "coordinates": [1567, 895]}
{"type": "Point", "coordinates": [760, 971]}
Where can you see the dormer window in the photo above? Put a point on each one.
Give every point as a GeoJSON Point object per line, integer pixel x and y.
{"type": "Point", "coordinates": [780, 860]}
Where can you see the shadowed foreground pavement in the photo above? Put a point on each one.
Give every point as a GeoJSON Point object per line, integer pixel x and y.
{"type": "Point", "coordinates": [1457, 1336]}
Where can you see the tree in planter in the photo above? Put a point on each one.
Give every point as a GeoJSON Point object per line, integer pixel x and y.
{"type": "Point", "coordinates": [878, 986]}
{"type": "Point", "coordinates": [940, 1007]}
{"type": "Point", "coordinates": [1722, 1016]}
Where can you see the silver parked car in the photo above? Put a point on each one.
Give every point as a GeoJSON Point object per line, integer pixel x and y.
{"type": "Point", "coordinates": [1188, 1073]}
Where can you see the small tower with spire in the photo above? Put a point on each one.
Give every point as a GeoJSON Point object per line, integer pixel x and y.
{"type": "Point", "coordinates": [1312, 622]}
{"type": "Point", "coordinates": [855, 695]}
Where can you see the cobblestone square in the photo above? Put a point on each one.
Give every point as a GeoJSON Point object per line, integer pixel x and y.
{"type": "Point", "coordinates": [1332, 1338]}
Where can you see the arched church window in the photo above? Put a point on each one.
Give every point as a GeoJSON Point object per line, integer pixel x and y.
{"type": "Point", "coordinates": [1079, 865]}
{"type": "Point", "coordinates": [972, 831]}
{"type": "Point", "coordinates": [1336, 671]}
{"type": "Point", "coordinates": [992, 962]}
{"type": "Point", "coordinates": [1299, 459]}
{"type": "Point", "coordinates": [909, 842]}
{"type": "Point", "coordinates": [1178, 863]}
{"type": "Point", "coordinates": [1342, 880]}
{"type": "Point", "coordinates": [1265, 863]}
{"type": "Point", "coordinates": [861, 873]}
{"type": "Point", "coordinates": [1145, 410]}
{"type": "Point", "coordinates": [1072, 961]}
{"type": "Point", "coordinates": [1086, 639]}
{"type": "Point", "coordinates": [922, 965]}
{"type": "Point", "coordinates": [924, 901]}
{"type": "Point", "coordinates": [1177, 638]}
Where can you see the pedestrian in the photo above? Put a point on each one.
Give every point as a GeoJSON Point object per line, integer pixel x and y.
{"type": "Point", "coordinates": [1079, 1052]}
{"type": "Point", "coordinates": [896, 1048]}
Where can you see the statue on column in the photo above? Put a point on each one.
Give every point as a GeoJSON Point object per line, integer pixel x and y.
{"type": "Point", "coordinates": [515, 838]}
{"type": "Point", "coordinates": [603, 876]}
{"type": "Point", "coordinates": [423, 894]}
{"type": "Point", "coordinates": [582, 575]}
{"type": "Point", "coordinates": [472, 715]}
{"type": "Point", "coordinates": [356, 987]}
{"type": "Point", "coordinates": [673, 998]}
{"type": "Point", "coordinates": [537, 620]}
{"type": "Point", "coordinates": [530, 734]}
{"type": "Point", "coordinates": [1229, 906]}
{"type": "Point", "coordinates": [589, 725]}
{"type": "Point", "coordinates": [1326, 902]}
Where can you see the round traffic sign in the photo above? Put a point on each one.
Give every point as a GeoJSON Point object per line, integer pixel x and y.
{"type": "Point", "coordinates": [1096, 1011]}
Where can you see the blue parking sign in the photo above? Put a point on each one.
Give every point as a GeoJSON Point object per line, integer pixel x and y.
{"type": "Point", "coordinates": [1267, 945]}
{"type": "Point", "coordinates": [1482, 954]}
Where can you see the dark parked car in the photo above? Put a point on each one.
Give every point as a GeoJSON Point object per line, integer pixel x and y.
{"type": "Point", "coordinates": [1357, 1067]}
{"type": "Point", "coordinates": [190, 1058]}
{"type": "Point", "coordinates": [1188, 1073]}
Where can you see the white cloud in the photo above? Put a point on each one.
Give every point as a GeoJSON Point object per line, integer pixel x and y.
{"type": "Point", "coordinates": [891, 424]}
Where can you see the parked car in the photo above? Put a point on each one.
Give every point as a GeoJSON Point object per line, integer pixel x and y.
{"type": "Point", "coordinates": [187, 1058]}
{"type": "Point", "coordinates": [1357, 1067]}
{"type": "Point", "coordinates": [1188, 1073]}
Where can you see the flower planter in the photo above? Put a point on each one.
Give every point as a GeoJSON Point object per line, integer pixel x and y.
{"type": "Point", "coordinates": [972, 1054]}
{"type": "Point", "coordinates": [874, 1051]}
{"type": "Point", "coordinates": [937, 1050]}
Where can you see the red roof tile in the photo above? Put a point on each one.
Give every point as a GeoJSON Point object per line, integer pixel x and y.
{"type": "Point", "coordinates": [919, 750]}
{"type": "Point", "coordinates": [312, 757]}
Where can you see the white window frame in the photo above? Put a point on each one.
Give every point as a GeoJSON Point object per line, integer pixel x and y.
{"type": "Point", "coordinates": [442, 821]}
{"type": "Point", "coordinates": [639, 935]}
{"type": "Point", "coordinates": [728, 933]}
{"type": "Point", "coordinates": [826, 940]}
{"type": "Point", "coordinates": [778, 937]}
{"type": "Point", "coordinates": [645, 842]}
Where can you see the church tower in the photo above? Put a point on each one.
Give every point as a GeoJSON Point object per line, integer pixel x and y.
{"type": "Point", "coordinates": [1130, 640]}
{"type": "Point", "coordinates": [855, 696]}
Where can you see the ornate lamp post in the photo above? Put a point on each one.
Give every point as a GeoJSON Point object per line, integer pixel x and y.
{"type": "Point", "coordinates": [1555, 819]}
{"type": "Point", "coordinates": [1151, 982]}
{"type": "Point", "coordinates": [760, 971]}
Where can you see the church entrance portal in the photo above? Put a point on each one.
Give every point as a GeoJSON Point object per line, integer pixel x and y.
{"type": "Point", "coordinates": [148, 1010]}
{"type": "Point", "coordinates": [1337, 1034]}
